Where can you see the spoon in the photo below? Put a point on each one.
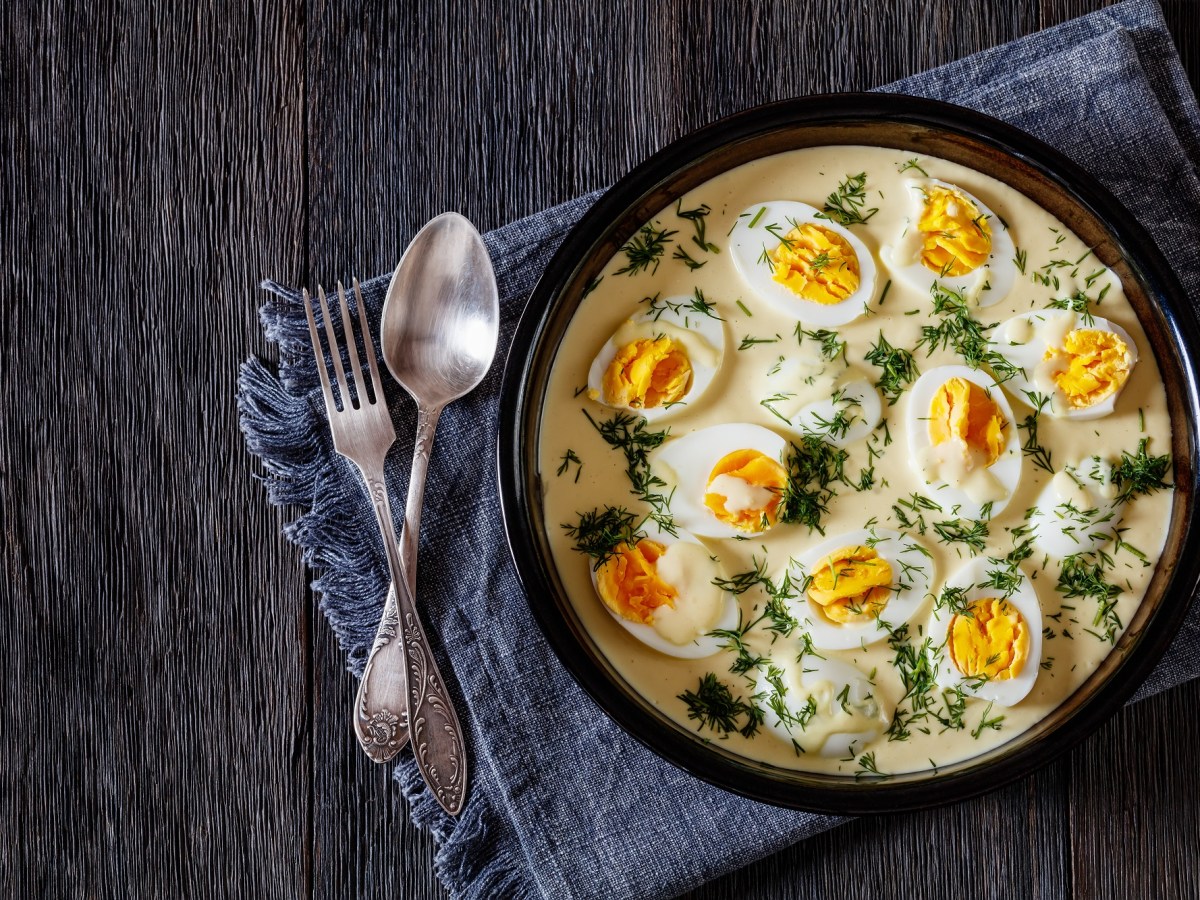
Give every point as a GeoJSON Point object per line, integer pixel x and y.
{"type": "Point", "coordinates": [441, 321]}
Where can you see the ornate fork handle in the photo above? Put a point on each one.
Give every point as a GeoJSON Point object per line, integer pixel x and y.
{"type": "Point", "coordinates": [428, 711]}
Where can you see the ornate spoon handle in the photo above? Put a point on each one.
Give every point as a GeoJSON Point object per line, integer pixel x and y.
{"type": "Point", "coordinates": [438, 742]}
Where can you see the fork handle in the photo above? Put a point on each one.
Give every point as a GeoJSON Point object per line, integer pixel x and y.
{"type": "Point", "coordinates": [437, 736]}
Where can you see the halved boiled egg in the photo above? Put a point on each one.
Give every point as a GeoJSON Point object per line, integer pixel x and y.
{"type": "Point", "coordinates": [1081, 363]}
{"type": "Point", "coordinates": [826, 706]}
{"type": "Point", "coordinates": [1077, 511]}
{"type": "Point", "coordinates": [662, 591]}
{"type": "Point", "coordinates": [724, 481]}
{"type": "Point", "coordinates": [962, 441]}
{"type": "Point", "coordinates": [660, 360]}
{"type": "Point", "coordinates": [842, 407]}
{"type": "Point", "coordinates": [851, 584]}
{"type": "Point", "coordinates": [806, 267]}
{"type": "Point", "coordinates": [991, 643]}
{"type": "Point", "coordinates": [951, 238]}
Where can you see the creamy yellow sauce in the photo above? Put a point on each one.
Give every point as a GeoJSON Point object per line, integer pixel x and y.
{"type": "Point", "coordinates": [1069, 652]}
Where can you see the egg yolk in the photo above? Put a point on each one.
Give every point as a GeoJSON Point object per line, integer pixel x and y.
{"type": "Point", "coordinates": [628, 581]}
{"type": "Point", "coordinates": [990, 640]}
{"type": "Point", "coordinates": [961, 410]}
{"type": "Point", "coordinates": [744, 489]}
{"type": "Point", "coordinates": [957, 237]}
{"type": "Point", "coordinates": [647, 373]}
{"type": "Point", "coordinates": [851, 585]}
{"type": "Point", "coordinates": [1097, 366]}
{"type": "Point", "coordinates": [816, 263]}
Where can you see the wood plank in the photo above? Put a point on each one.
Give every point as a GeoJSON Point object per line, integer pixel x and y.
{"type": "Point", "coordinates": [155, 737]}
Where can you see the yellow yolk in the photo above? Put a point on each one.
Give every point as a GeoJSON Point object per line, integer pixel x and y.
{"type": "Point", "coordinates": [628, 581]}
{"type": "Point", "coordinates": [957, 237]}
{"type": "Point", "coordinates": [990, 640]}
{"type": "Point", "coordinates": [744, 490]}
{"type": "Point", "coordinates": [647, 373]}
{"type": "Point", "coordinates": [963, 411]}
{"type": "Point", "coordinates": [816, 263]}
{"type": "Point", "coordinates": [851, 585]}
{"type": "Point", "coordinates": [1097, 366]}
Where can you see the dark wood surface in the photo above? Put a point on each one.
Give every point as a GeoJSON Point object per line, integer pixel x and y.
{"type": "Point", "coordinates": [173, 720]}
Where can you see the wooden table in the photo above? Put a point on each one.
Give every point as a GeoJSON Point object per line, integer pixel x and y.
{"type": "Point", "coordinates": [175, 709]}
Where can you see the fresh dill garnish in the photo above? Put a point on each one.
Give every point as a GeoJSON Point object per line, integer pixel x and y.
{"type": "Point", "coordinates": [697, 303]}
{"type": "Point", "coordinates": [985, 722]}
{"type": "Point", "coordinates": [599, 531]}
{"type": "Point", "coordinates": [592, 285]}
{"type": "Point", "coordinates": [897, 368]}
{"type": "Point", "coordinates": [713, 705]}
{"type": "Point", "coordinates": [742, 307]}
{"type": "Point", "coordinates": [630, 434]}
{"type": "Point", "coordinates": [883, 294]}
{"type": "Point", "coordinates": [963, 334]}
{"type": "Point", "coordinates": [832, 345]}
{"type": "Point", "coordinates": [953, 599]}
{"type": "Point", "coordinates": [769, 405]}
{"type": "Point", "coordinates": [971, 532]}
{"type": "Point", "coordinates": [741, 582]}
{"type": "Point", "coordinates": [910, 514]}
{"type": "Point", "coordinates": [812, 466]}
{"type": "Point", "coordinates": [1020, 259]}
{"type": "Point", "coordinates": [682, 255]}
{"type": "Point", "coordinates": [1006, 579]}
{"type": "Point", "coordinates": [1082, 575]}
{"type": "Point", "coordinates": [733, 640]}
{"type": "Point", "coordinates": [1140, 473]}
{"type": "Point", "coordinates": [921, 706]}
{"type": "Point", "coordinates": [645, 249]}
{"type": "Point", "coordinates": [569, 458]}
{"type": "Point", "coordinates": [697, 218]}
{"type": "Point", "coordinates": [749, 341]}
{"type": "Point", "coordinates": [847, 205]}
{"type": "Point", "coordinates": [1039, 454]}
{"type": "Point", "coordinates": [1079, 302]}
{"type": "Point", "coordinates": [913, 163]}
{"type": "Point", "coordinates": [866, 766]}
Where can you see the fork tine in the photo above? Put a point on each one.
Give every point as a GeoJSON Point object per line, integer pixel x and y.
{"type": "Point", "coordinates": [319, 354]}
{"type": "Point", "coordinates": [348, 327]}
{"type": "Point", "coordinates": [369, 342]}
{"type": "Point", "coordinates": [335, 351]}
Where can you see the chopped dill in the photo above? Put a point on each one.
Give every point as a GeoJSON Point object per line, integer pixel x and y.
{"type": "Point", "coordinates": [962, 333]}
{"type": "Point", "coordinates": [742, 307]}
{"type": "Point", "coordinates": [750, 341]}
{"type": "Point", "coordinates": [1039, 454]}
{"type": "Point", "coordinates": [1083, 575]}
{"type": "Point", "coordinates": [1139, 473]}
{"type": "Point", "coordinates": [847, 205]}
{"type": "Point", "coordinates": [599, 531]}
{"type": "Point", "coordinates": [897, 368]}
{"type": "Point", "coordinates": [812, 466]}
{"type": "Point", "coordinates": [645, 249]}
{"type": "Point", "coordinates": [696, 217]}
{"type": "Point", "coordinates": [832, 345]}
{"type": "Point", "coordinates": [913, 163]}
{"type": "Point", "coordinates": [592, 285]}
{"type": "Point", "coordinates": [629, 434]}
{"type": "Point", "coordinates": [971, 532]}
{"type": "Point", "coordinates": [713, 705]}
{"type": "Point", "coordinates": [571, 458]}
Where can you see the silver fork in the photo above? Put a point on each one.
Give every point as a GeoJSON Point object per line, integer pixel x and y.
{"type": "Point", "coordinates": [363, 432]}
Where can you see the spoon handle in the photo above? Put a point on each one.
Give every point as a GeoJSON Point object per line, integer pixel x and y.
{"type": "Point", "coordinates": [437, 736]}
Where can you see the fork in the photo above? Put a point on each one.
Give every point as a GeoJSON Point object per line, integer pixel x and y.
{"type": "Point", "coordinates": [363, 432]}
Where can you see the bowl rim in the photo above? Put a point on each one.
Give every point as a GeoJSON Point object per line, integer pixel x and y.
{"type": "Point", "coordinates": [799, 790]}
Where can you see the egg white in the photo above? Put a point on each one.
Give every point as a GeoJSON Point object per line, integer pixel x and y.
{"type": "Point", "coordinates": [747, 243]}
{"type": "Point", "coordinates": [800, 678]}
{"type": "Point", "coordinates": [1050, 327]}
{"type": "Point", "coordinates": [1024, 599]}
{"type": "Point", "coordinates": [702, 336]}
{"type": "Point", "coordinates": [685, 463]}
{"type": "Point", "coordinates": [704, 644]}
{"type": "Point", "coordinates": [1077, 510]}
{"type": "Point", "coordinates": [989, 283]}
{"type": "Point", "coordinates": [910, 587]}
{"type": "Point", "coordinates": [954, 500]}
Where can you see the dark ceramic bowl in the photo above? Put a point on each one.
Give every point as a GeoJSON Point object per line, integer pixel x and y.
{"type": "Point", "coordinates": [926, 128]}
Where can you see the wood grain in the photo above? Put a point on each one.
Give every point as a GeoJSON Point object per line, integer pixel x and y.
{"type": "Point", "coordinates": [176, 720]}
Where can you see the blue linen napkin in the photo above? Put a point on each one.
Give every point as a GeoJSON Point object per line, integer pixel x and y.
{"type": "Point", "coordinates": [562, 803]}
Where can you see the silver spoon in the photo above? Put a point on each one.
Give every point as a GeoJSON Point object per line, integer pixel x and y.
{"type": "Point", "coordinates": [441, 320]}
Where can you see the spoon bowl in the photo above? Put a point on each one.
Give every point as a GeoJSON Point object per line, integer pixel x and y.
{"type": "Point", "coordinates": [441, 318]}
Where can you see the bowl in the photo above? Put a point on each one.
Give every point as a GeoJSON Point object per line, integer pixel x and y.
{"type": "Point", "coordinates": [923, 127]}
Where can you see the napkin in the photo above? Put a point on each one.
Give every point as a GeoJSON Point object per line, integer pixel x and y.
{"type": "Point", "coordinates": [562, 803]}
